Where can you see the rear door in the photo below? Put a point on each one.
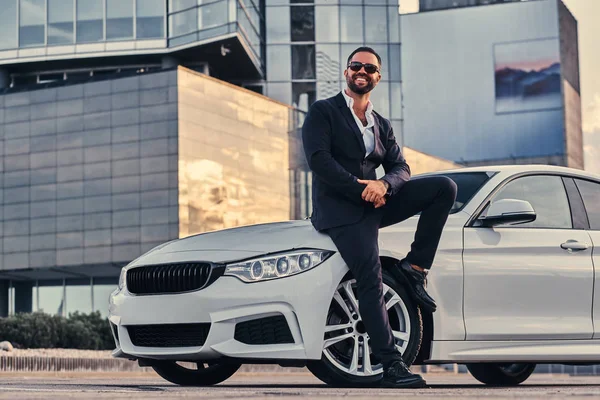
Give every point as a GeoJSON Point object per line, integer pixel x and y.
{"type": "Point", "coordinates": [590, 192]}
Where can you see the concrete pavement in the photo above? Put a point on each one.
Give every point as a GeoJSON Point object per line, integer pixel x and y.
{"type": "Point", "coordinates": [262, 385]}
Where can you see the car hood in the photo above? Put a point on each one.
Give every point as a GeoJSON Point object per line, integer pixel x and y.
{"type": "Point", "coordinates": [240, 242]}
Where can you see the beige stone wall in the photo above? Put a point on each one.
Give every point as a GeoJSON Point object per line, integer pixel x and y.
{"type": "Point", "coordinates": [420, 162]}
{"type": "Point", "coordinates": [233, 156]}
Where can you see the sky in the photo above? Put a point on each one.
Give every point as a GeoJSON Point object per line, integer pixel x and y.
{"type": "Point", "coordinates": [587, 14]}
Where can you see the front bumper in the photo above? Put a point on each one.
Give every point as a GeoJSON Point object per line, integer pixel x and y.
{"type": "Point", "coordinates": [303, 300]}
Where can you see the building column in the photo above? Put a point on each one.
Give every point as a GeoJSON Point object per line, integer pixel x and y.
{"type": "Point", "coordinates": [4, 285]}
{"type": "Point", "coordinates": [169, 62]}
{"type": "Point", "coordinates": [23, 297]}
{"type": "Point", "coordinates": [4, 78]}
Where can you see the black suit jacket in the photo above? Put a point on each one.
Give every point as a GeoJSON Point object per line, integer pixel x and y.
{"type": "Point", "coordinates": [335, 151]}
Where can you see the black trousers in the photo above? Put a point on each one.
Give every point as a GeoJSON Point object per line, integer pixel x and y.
{"type": "Point", "coordinates": [357, 243]}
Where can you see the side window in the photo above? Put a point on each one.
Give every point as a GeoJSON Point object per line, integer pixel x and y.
{"type": "Point", "coordinates": [590, 191]}
{"type": "Point", "coordinates": [547, 196]}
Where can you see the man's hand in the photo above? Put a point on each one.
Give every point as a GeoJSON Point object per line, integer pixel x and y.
{"type": "Point", "coordinates": [374, 192]}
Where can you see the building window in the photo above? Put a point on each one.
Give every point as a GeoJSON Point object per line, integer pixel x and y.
{"type": "Point", "coordinates": [90, 21]}
{"type": "Point", "coordinates": [8, 25]}
{"type": "Point", "coordinates": [303, 61]}
{"type": "Point", "coordinates": [303, 94]}
{"type": "Point", "coordinates": [376, 25]}
{"type": "Point", "coordinates": [50, 297]}
{"type": "Point", "coordinates": [178, 5]}
{"type": "Point", "coordinates": [302, 20]}
{"type": "Point", "coordinates": [150, 15]}
{"type": "Point", "coordinates": [351, 24]}
{"type": "Point", "coordinates": [79, 296]}
{"type": "Point", "coordinates": [60, 21]}
{"type": "Point", "coordinates": [212, 14]}
{"type": "Point", "coordinates": [183, 22]}
{"type": "Point", "coordinates": [119, 19]}
{"type": "Point", "coordinates": [32, 16]}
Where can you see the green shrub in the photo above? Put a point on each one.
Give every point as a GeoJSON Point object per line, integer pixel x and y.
{"type": "Point", "coordinates": [38, 330]}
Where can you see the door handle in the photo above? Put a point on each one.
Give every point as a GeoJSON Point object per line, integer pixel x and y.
{"type": "Point", "coordinates": [574, 245]}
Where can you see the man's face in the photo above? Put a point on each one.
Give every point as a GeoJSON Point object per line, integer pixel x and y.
{"type": "Point", "coordinates": [361, 81]}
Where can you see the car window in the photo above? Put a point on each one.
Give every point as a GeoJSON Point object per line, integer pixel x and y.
{"type": "Point", "coordinates": [467, 183]}
{"type": "Point", "coordinates": [590, 191]}
{"type": "Point", "coordinates": [547, 196]}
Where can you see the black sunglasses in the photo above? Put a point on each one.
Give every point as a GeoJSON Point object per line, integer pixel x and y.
{"type": "Point", "coordinates": [357, 66]}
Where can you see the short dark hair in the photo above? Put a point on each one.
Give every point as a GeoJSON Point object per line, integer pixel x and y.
{"type": "Point", "coordinates": [364, 49]}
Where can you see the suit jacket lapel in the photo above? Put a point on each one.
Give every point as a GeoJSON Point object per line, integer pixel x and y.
{"type": "Point", "coordinates": [345, 110]}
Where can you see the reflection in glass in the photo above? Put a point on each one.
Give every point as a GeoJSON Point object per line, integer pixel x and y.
{"type": "Point", "coordinates": [302, 23]}
{"type": "Point", "coordinates": [60, 21]}
{"type": "Point", "coordinates": [213, 14]}
{"type": "Point", "coordinates": [79, 296]}
{"type": "Point", "coordinates": [278, 63]}
{"type": "Point", "coordinates": [89, 21]}
{"type": "Point", "coordinates": [351, 23]}
{"type": "Point", "coordinates": [249, 29]}
{"type": "Point", "coordinates": [51, 298]}
{"type": "Point", "coordinates": [177, 5]}
{"type": "Point", "coordinates": [150, 15]}
{"type": "Point", "coordinates": [237, 174]}
{"type": "Point", "coordinates": [32, 16]}
{"type": "Point", "coordinates": [380, 97]}
{"type": "Point", "coordinates": [376, 24]}
{"type": "Point", "coordinates": [590, 191]}
{"type": "Point", "coordinates": [303, 61]}
{"type": "Point", "coordinates": [8, 25]}
{"type": "Point", "coordinates": [303, 94]}
{"type": "Point", "coordinates": [278, 25]}
{"type": "Point", "coordinates": [328, 62]}
{"type": "Point", "coordinates": [119, 19]}
{"type": "Point", "coordinates": [547, 197]}
{"type": "Point", "coordinates": [183, 22]}
{"type": "Point", "coordinates": [327, 24]}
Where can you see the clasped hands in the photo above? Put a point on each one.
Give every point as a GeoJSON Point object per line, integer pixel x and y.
{"type": "Point", "coordinates": [374, 192]}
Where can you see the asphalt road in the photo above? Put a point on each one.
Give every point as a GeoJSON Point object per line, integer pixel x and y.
{"type": "Point", "coordinates": [281, 386]}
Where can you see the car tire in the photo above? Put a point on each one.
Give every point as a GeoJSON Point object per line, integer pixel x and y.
{"type": "Point", "coordinates": [331, 370]}
{"type": "Point", "coordinates": [205, 374]}
{"type": "Point", "coordinates": [501, 374]}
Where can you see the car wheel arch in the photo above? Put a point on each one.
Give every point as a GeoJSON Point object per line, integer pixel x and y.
{"type": "Point", "coordinates": [425, 350]}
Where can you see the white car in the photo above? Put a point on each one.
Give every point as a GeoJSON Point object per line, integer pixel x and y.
{"type": "Point", "coordinates": [513, 278]}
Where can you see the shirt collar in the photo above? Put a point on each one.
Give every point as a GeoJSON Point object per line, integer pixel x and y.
{"type": "Point", "coordinates": [350, 103]}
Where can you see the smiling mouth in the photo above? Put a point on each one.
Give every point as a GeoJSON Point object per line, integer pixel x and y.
{"type": "Point", "coordinates": [360, 79]}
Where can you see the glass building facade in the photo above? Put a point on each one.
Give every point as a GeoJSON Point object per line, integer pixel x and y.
{"type": "Point", "coordinates": [109, 146]}
{"type": "Point", "coordinates": [156, 31]}
{"type": "Point", "coordinates": [95, 174]}
{"type": "Point", "coordinates": [308, 43]}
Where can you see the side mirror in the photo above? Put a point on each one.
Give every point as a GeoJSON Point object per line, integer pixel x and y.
{"type": "Point", "coordinates": [508, 211]}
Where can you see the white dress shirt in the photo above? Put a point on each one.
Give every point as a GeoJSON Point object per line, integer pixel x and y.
{"type": "Point", "coordinates": [367, 131]}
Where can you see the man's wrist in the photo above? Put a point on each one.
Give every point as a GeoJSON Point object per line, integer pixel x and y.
{"type": "Point", "coordinates": [386, 184]}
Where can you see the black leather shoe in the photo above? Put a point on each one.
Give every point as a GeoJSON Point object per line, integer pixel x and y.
{"type": "Point", "coordinates": [416, 285]}
{"type": "Point", "coordinates": [397, 375]}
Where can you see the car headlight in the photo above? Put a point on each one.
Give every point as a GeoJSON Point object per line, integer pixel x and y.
{"type": "Point", "coordinates": [122, 279]}
{"type": "Point", "coordinates": [277, 265]}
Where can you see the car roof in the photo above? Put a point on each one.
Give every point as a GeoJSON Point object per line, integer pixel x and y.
{"type": "Point", "coordinates": [515, 169]}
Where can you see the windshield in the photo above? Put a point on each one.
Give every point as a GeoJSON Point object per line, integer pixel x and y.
{"type": "Point", "coordinates": [468, 184]}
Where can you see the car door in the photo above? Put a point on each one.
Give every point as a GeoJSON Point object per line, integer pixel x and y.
{"type": "Point", "coordinates": [590, 192]}
{"type": "Point", "coordinates": [533, 280]}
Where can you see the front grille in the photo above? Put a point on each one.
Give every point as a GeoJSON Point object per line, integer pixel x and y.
{"type": "Point", "coordinates": [269, 330]}
{"type": "Point", "coordinates": [171, 278]}
{"type": "Point", "coordinates": [170, 335]}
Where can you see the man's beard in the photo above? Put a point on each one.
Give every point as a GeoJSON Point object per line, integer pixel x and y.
{"type": "Point", "coordinates": [360, 89]}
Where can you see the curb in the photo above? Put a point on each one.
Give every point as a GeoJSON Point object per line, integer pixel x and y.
{"type": "Point", "coordinates": [36, 363]}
